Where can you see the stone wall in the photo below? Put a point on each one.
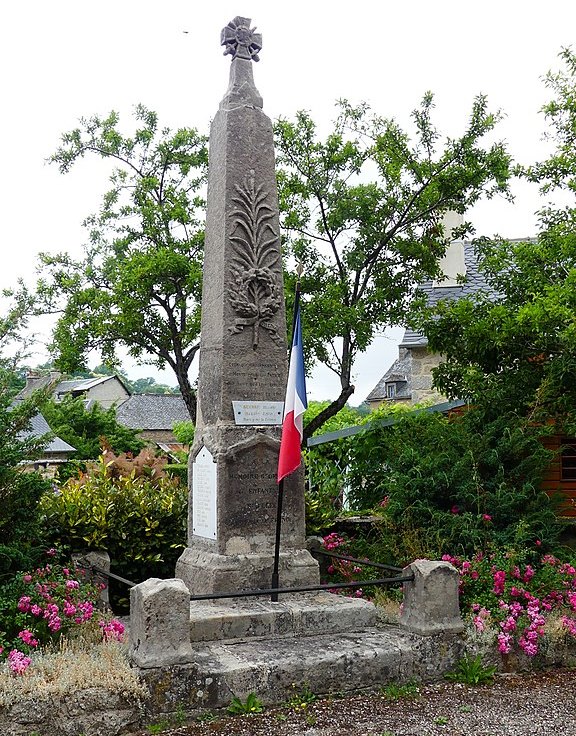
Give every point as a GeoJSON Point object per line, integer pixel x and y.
{"type": "Point", "coordinates": [422, 364]}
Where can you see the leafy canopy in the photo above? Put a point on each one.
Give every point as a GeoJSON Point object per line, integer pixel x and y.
{"type": "Point", "coordinates": [362, 212]}
{"type": "Point", "coordinates": [139, 283]}
{"type": "Point", "coordinates": [518, 343]}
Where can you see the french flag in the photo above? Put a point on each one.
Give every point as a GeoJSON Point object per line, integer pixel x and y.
{"type": "Point", "coordinates": [294, 406]}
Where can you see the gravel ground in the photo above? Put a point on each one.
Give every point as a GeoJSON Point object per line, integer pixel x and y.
{"type": "Point", "coordinates": [515, 705]}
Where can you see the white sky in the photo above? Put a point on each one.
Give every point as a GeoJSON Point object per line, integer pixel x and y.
{"type": "Point", "coordinates": [70, 58]}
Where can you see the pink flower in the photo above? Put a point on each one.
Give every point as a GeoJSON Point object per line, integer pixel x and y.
{"type": "Point", "coordinates": [18, 662]}
{"type": "Point", "coordinates": [24, 603]}
{"type": "Point", "coordinates": [55, 624]}
{"type": "Point", "coordinates": [504, 643]}
{"type": "Point", "coordinates": [69, 609]}
{"type": "Point", "coordinates": [36, 610]}
{"type": "Point", "coordinates": [499, 580]}
{"type": "Point", "coordinates": [528, 573]}
{"type": "Point", "coordinates": [486, 517]}
{"type": "Point", "coordinates": [72, 584]}
{"type": "Point", "coordinates": [28, 638]}
{"type": "Point", "coordinates": [455, 509]}
{"type": "Point", "coordinates": [385, 501]}
{"type": "Point", "coordinates": [51, 552]}
{"type": "Point", "coordinates": [27, 578]}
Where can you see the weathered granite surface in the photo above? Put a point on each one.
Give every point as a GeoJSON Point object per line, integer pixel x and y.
{"type": "Point", "coordinates": [243, 354]}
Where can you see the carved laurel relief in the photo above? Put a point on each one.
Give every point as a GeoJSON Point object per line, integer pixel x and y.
{"type": "Point", "coordinates": [255, 290]}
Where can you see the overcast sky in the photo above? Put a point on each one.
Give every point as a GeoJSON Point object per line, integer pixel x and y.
{"type": "Point", "coordinates": [71, 58]}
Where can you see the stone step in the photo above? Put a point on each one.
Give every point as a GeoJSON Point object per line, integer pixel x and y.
{"type": "Point", "coordinates": [277, 668]}
{"type": "Point", "coordinates": [292, 616]}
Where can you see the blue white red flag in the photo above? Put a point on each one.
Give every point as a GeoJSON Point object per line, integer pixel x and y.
{"type": "Point", "coordinates": [294, 406]}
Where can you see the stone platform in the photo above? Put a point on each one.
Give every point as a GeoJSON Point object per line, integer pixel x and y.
{"type": "Point", "coordinates": [277, 668]}
{"type": "Point", "coordinates": [202, 654]}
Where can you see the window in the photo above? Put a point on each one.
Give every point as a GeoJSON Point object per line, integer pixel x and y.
{"type": "Point", "coordinates": [568, 459]}
{"type": "Point", "coordinates": [390, 390]}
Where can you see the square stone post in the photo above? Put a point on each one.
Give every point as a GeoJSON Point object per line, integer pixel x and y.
{"type": "Point", "coordinates": [160, 623]}
{"type": "Point", "coordinates": [431, 604]}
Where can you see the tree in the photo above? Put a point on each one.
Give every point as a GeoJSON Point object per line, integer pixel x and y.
{"type": "Point", "coordinates": [362, 211]}
{"type": "Point", "coordinates": [86, 429]}
{"type": "Point", "coordinates": [517, 344]}
{"type": "Point", "coordinates": [139, 283]}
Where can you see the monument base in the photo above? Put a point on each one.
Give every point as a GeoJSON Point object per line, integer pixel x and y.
{"type": "Point", "coordinates": [206, 572]}
{"type": "Point", "coordinates": [301, 615]}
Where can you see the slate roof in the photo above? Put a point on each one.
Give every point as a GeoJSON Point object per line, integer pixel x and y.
{"type": "Point", "coordinates": [38, 428]}
{"type": "Point", "coordinates": [152, 411]}
{"type": "Point", "coordinates": [434, 293]}
{"type": "Point", "coordinates": [399, 372]}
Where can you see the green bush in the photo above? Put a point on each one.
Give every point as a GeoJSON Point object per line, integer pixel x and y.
{"type": "Point", "coordinates": [21, 534]}
{"type": "Point", "coordinates": [140, 520]}
{"type": "Point", "coordinates": [450, 484]}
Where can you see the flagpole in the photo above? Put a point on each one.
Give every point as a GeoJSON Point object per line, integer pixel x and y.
{"type": "Point", "coordinates": [275, 570]}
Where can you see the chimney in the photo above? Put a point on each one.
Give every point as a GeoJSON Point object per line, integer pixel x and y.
{"type": "Point", "coordinates": [452, 264]}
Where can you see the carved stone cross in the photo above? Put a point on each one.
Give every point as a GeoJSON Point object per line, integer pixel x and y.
{"type": "Point", "coordinates": [240, 40]}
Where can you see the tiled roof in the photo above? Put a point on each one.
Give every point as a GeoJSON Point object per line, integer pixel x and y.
{"type": "Point", "coordinates": [152, 411]}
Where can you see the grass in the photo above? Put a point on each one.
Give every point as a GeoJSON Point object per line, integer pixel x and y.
{"type": "Point", "coordinates": [395, 691]}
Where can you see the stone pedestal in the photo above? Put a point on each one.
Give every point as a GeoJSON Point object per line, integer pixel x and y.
{"type": "Point", "coordinates": [243, 356]}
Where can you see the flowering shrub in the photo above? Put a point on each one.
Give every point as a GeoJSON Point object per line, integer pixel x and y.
{"type": "Point", "coordinates": [517, 598]}
{"type": "Point", "coordinates": [42, 606]}
{"type": "Point", "coordinates": [342, 571]}
{"type": "Point", "coordinates": [132, 510]}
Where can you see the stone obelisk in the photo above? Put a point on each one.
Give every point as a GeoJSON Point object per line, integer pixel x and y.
{"type": "Point", "coordinates": [243, 357]}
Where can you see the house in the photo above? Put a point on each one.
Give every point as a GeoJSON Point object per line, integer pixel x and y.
{"type": "Point", "coordinates": [154, 415]}
{"type": "Point", "coordinates": [55, 453]}
{"type": "Point", "coordinates": [105, 390]}
{"type": "Point", "coordinates": [409, 378]}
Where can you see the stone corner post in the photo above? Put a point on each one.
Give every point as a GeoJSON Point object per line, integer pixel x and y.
{"type": "Point", "coordinates": [160, 623]}
{"type": "Point", "coordinates": [431, 603]}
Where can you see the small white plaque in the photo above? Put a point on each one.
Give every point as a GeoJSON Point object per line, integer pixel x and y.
{"type": "Point", "coordinates": [204, 495]}
{"type": "Point", "coordinates": [258, 412]}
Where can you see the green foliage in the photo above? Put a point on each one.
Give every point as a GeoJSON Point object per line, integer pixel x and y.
{"type": "Point", "coordinates": [517, 342]}
{"type": "Point", "coordinates": [395, 691]}
{"type": "Point", "coordinates": [466, 481]}
{"type": "Point", "coordinates": [184, 432]}
{"type": "Point", "coordinates": [88, 429]}
{"type": "Point", "coordinates": [21, 532]}
{"type": "Point", "coordinates": [252, 704]}
{"type": "Point", "coordinates": [139, 283]}
{"type": "Point", "coordinates": [362, 212]}
{"type": "Point", "coordinates": [326, 468]}
{"type": "Point", "coordinates": [472, 671]}
{"type": "Point", "coordinates": [301, 698]}
{"type": "Point", "coordinates": [139, 518]}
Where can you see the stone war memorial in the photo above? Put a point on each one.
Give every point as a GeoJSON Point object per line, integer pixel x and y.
{"type": "Point", "coordinates": [195, 639]}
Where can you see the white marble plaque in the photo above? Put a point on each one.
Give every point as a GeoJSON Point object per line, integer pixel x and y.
{"type": "Point", "coordinates": [204, 495]}
{"type": "Point", "coordinates": [258, 412]}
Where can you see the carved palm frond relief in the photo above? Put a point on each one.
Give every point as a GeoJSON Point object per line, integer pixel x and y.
{"type": "Point", "coordinates": [255, 293]}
